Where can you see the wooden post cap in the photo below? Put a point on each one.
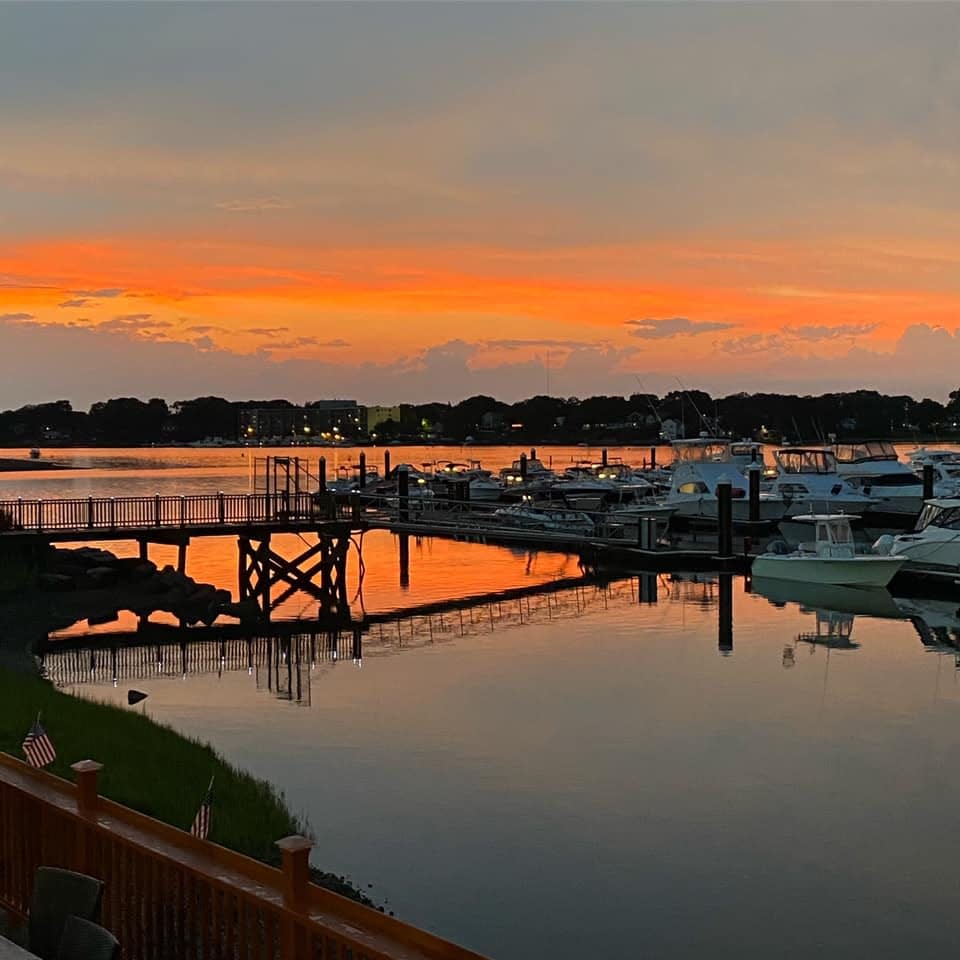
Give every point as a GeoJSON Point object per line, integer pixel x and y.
{"type": "Point", "coordinates": [86, 766]}
{"type": "Point", "coordinates": [87, 772]}
{"type": "Point", "coordinates": [294, 844]}
{"type": "Point", "coordinates": [295, 852]}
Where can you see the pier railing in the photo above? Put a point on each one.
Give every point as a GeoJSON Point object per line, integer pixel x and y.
{"type": "Point", "coordinates": [140, 513]}
{"type": "Point", "coordinates": [169, 895]}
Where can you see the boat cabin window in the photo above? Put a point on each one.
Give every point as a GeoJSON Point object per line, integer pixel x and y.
{"type": "Point", "coordinates": [694, 486]}
{"type": "Point", "coordinates": [905, 479]}
{"type": "Point", "coordinates": [806, 461]}
{"type": "Point", "coordinates": [857, 452]}
{"type": "Point", "coordinates": [713, 451]}
{"type": "Point", "coordinates": [947, 518]}
{"type": "Point", "coordinates": [792, 489]}
{"type": "Point", "coordinates": [834, 532]}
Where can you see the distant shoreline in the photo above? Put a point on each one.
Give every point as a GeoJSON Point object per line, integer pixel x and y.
{"type": "Point", "coordinates": [12, 465]}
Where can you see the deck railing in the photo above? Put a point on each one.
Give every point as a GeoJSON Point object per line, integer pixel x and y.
{"type": "Point", "coordinates": [169, 895]}
{"type": "Point", "coordinates": [144, 513]}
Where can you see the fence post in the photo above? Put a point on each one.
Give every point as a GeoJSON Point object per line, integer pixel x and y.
{"type": "Point", "coordinates": [295, 863]}
{"type": "Point", "coordinates": [40, 515]}
{"type": "Point", "coordinates": [90, 512]}
{"type": "Point", "coordinates": [20, 512]}
{"type": "Point", "coordinates": [183, 510]}
{"type": "Point", "coordinates": [221, 507]}
{"type": "Point", "coordinates": [87, 772]}
{"type": "Point", "coordinates": [113, 513]}
{"type": "Point", "coordinates": [156, 509]}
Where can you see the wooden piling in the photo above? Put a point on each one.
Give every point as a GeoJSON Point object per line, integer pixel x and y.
{"type": "Point", "coordinates": [724, 520]}
{"type": "Point", "coordinates": [363, 470]}
{"type": "Point", "coordinates": [386, 463]}
{"type": "Point", "coordinates": [403, 493]}
{"type": "Point", "coordinates": [928, 481]}
{"type": "Point", "coordinates": [322, 475]}
{"type": "Point", "coordinates": [753, 475]}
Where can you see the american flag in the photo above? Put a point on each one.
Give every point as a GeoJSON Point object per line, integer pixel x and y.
{"type": "Point", "coordinates": [201, 822]}
{"type": "Point", "coordinates": [38, 747]}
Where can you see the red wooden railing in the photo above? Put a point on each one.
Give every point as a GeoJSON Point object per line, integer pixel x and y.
{"type": "Point", "coordinates": [169, 895]}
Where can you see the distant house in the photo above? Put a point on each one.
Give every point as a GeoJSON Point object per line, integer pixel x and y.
{"type": "Point", "coordinates": [671, 430]}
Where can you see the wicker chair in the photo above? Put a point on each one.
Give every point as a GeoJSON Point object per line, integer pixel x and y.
{"type": "Point", "coordinates": [83, 940]}
{"type": "Point", "coordinates": [57, 895]}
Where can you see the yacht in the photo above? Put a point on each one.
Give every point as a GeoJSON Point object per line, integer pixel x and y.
{"type": "Point", "coordinates": [874, 469]}
{"type": "Point", "coordinates": [698, 466]}
{"type": "Point", "coordinates": [946, 469]}
{"type": "Point", "coordinates": [527, 515]}
{"type": "Point", "coordinates": [535, 470]}
{"type": "Point", "coordinates": [934, 543]}
{"type": "Point", "coordinates": [483, 485]}
{"type": "Point", "coordinates": [830, 559]}
{"type": "Point", "coordinates": [807, 479]}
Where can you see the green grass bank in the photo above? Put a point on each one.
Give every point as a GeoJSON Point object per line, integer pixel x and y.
{"type": "Point", "coordinates": [151, 768]}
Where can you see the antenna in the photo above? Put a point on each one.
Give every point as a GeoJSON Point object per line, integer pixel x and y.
{"type": "Point", "coordinates": [646, 394]}
{"type": "Point", "coordinates": [703, 420]}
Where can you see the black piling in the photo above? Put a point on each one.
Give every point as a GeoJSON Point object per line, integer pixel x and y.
{"type": "Point", "coordinates": [725, 617]}
{"type": "Point", "coordinates": [363, 470]}
{"type": "Point", "coordinates": [603, 456]}
{"type": "Point", "coordinates": [648, 588]}
{"type": "Point", "coordinates": [523, 466]}
{"type": "Point", "coordinates": [653, 458]}
{"type": "Point", "coordinates": [928, 481]}
{"type": "Point", "coordinates": [724, 520]}
{"type": "Point", "coordinates": [404, 561]}
{"type": "Point", "coordinates": [322, 475]}
{"type": "Point", "coordinates": [386, 463]}
{"type": "Point", "coordinates": [403, 492]}
{"type": "Point", "coordinates": [753, 474]}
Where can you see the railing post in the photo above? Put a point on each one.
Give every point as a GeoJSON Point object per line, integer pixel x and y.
{"type": "Point", "coordinates": [113, 513]}
{"type": "Point", "coordinates": [221, 507]}
{"type": "Point", "coordinates": [20, 512]}
{"type": "Point", "coordinates": [90, 512]}
{"type": "Point", "coordinates": [183, 511]}
{"type": "Point", "coordinates": [87, 772]}
{"type": "Point", "coordinates": [40, 515]}
{"type": "Point", "coordinates": [295, 863]}
{"type": "Point", "coordinates": [156, 509]}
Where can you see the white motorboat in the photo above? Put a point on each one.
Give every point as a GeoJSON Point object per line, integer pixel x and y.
{"type": "Point", "coordinates": [483, 485]}
{"type": "Point", "coordinates": [527, 516]}
{"type": "Point", "coordinates": [874, 469]}
{"type": "Point", "coordinates": [698, 466]}
{"type": "Point", "coordinates": [525, 469]}
{"type": "Point", "coordinates": [934, 543]}
{"type": "Point", "coordinates": [946, 469]}
{"type": "Point", "coordinates": [831, 558]}
{"type": "Point", "coordinates": [807, 479]}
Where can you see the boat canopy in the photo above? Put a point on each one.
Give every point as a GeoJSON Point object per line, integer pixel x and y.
{"type": "Point", "coordinates": [944, 514]}
{"type": "Point", "coordinates": [806, 460]}
{"type": "Point", "coordinates": [870, 450]}
{"type": "Point", "coordinates": [701, 450]}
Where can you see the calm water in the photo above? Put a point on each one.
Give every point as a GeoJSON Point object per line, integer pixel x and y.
{"type": "Point", "coordinates": [592, 772]}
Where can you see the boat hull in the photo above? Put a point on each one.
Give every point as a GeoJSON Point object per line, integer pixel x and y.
{"type": "Point", "coordinates": [840, 571]}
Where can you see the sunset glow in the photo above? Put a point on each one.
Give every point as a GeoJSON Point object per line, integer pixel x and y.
{"type": "Point", "coordinates": [588, 193]}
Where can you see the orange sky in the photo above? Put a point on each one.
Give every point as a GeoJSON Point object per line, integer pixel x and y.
{"type": "Point", "coordinates": [643, 193]}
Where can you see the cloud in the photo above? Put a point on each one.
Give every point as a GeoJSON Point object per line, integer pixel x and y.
{"type": "Point", "coordinates": [206, 328]}
{"type": "Point", "coordinates": [253, 205]}
{"type": "Point", "coordinates": [78, 302]}
{"type": "Point", "coordinates": [105, 293]}
{"type": "Point", "coordinates": [204, 343]}
{"type": "Point", "coordinates": [753, 343]}
{"type": "Point", "coordinates": [16, 317]}
{"type": "Point", "coordinates": [544, 344]}
{"type": "Point", "coordinates": [654, 329]}
{"type": "Point", "coordinates": [823, 332]}
{"type": "Point", "coordinates": [133, 323]}
{"type": "Point", "coordinates": [265, 331]}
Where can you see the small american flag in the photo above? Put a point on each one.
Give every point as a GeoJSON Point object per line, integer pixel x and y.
{"type": "Point", "coordinates": [201, 822]}
{"type": "Point", "coordinates": [38, 747]}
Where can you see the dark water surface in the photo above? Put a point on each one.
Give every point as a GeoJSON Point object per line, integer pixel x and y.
{"type": "Point", "coordinates": [590, 773]}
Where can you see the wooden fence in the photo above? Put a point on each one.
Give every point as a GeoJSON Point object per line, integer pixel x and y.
{"type": "Point", "coordinates": [144, 513]}
{"type": "Point", "coordinates": [169, 895]}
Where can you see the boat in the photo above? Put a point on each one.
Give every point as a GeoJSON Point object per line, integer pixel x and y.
{"type": "Point", "coordinates": [830, 559]}
{"type": "Point", "coordinates": [946, 469]}
{"type": "Point", "coordinates": [483, 485]}
{"type": "Point", "coordinates": [528, 516]}
{"type": "Point", "coordinates": [874, 469]}
{"type": "Point", "coordinates": [35, 454]}
{"type": "Point", "coordinates": [525, 469]}
{"type": "Point", "coordinates": [807, 479]}
{"type": "Point", "coordinates": [934, 543]}
{"type": "Point", "coordinates": [698, 466]}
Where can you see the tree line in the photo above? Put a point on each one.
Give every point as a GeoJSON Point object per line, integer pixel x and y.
{"type": "Point", "coordinates": [639, 418]}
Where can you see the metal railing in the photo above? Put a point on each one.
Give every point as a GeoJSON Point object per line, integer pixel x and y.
{"type": "Point", "coordinates": [169, 895]}
{"type": "Point", "coordinates": [140, 513]}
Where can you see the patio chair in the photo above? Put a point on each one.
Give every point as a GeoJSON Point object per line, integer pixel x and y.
{"type": "Point", "coordinates": [57, 895]}
{"type": "Point", "coordinates": [83, 940]}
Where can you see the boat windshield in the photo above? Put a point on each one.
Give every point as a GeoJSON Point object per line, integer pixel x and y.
{"type": "Point", "coordinates": [834, 531]}
{"type": "Point", "coordinates": [937, 515]}
{"type": "Point", "coordinates": [872, 450]}
{"type": "Point", "coordinates": [699, 451]}
{"type": "Point", "coordinates": [806, 461]}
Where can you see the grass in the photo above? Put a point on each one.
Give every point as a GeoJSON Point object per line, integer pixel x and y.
{"type": "Point", "coordinates": [151, 768]}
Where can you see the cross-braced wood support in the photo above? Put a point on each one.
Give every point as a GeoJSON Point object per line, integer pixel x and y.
{"type": "Point", "coordinates": [261, 569]}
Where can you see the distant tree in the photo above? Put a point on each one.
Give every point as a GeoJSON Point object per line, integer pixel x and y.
{"type": "Point", "coordinates": [128, 421]}
{"type": "Point", "coordinates": [204, 417]}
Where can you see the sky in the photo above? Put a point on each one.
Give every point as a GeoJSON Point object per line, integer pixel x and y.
{"type": "Point", "coordinates": [405, 202]}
